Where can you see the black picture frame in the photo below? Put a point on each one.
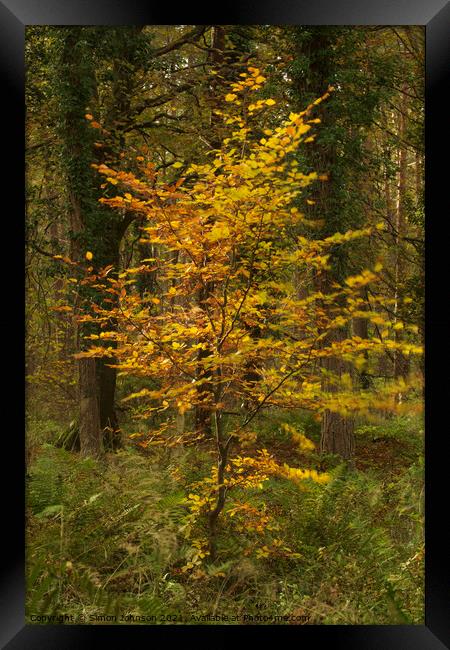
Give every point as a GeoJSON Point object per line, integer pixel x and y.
{"type": "Point", "coordinates": [435, 16]}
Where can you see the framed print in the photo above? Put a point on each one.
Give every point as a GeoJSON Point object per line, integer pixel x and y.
{"type": "Point", "coordinates": [235, 323]}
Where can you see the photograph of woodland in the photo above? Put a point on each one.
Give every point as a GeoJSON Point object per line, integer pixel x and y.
{"type": "Point", "coordinates": [224, 325]}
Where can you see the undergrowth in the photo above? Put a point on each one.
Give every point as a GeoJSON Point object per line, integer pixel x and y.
{"type": "Point", "coordinates": [105, 542]}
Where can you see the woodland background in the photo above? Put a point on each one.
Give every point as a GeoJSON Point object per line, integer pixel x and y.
{"type": "Point", "coordinates": [145, 496]}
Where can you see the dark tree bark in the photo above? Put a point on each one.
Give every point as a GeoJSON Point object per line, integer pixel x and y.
{"type": "Point", "coordinates": [77, 89]}
{"type": "Point", "coordinates": [316, 47]}
{"type": "Point", "coordinates": [337, 431]}
{"type": "Point", "coordinates": [75, 83]}
{"type": "Point", "coordinates": [252, 374]}
{"type": "Point", "coordinates": [108, 418]}
{"type": "Point", "coordinates": [205, 389]}
{"type": "Point", "coordinates": [361, 329]}
{"type": "Point", "coordinates": [90, 429]}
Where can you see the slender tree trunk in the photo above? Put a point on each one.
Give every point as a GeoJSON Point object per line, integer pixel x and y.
{"type": "Point", "coordinates": [252, 369]}
{"type": "Point", "coordinates": [222, 460]}
{"type": "Point", "coordinates": [360, 325]}
{"type": "Point", "coordinates": [419, 200]}
{"type": "Point", "coordinates": [401, 363]}
{"type": "Point", "coordinates": [205, 388]}
{"type": "Point", "coordinates": [360, 328]}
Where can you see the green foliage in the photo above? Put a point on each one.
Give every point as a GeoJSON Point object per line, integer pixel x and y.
{"type": "Point", "coordinates": [106, 540]}
{"type": "Point", "coordinates": [407, 431]}
{"type": "Point", "coordinates": [353, 558]}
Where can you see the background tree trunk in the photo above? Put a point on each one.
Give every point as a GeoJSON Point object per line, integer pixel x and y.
{"type": "Point", "coordinates": [90, 429]}
{"type": "Point", "coordinates": [315, 50]}
{"type": "Point", "coordinates": [401, 363]}
{"type": "Point", "coordinates": [108, 417]}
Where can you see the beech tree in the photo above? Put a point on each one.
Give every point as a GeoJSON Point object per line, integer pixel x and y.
{"type": "Point", "coordinates": [228, 227]}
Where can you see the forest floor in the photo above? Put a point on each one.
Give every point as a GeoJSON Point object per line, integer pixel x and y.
{"type": "Point", "coordinates": [105, 540]}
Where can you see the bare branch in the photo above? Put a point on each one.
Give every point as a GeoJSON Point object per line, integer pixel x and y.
{"type": "Point", "coordinates": [195, 33]}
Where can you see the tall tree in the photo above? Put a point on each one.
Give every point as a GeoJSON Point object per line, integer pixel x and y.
{"type": "Point", "coordinates": [98, 88]}
{"type": "Point", "coordinates": [331, 56]}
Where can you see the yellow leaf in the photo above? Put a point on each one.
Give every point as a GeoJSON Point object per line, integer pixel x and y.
{"type": "Point", "coordinates": [230, 97]}
{"type": "Point", "coordinates": [177, 165]}
{"type": "Point", "coordinates": [89, 256]}
{"type": "Point", "coordinates": [270, 102]}
{"type": "Point", "coordinates": [219, 231]}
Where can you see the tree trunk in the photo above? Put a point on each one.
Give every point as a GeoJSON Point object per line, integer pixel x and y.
{"type": "Point", "coordinates": [205, 389]}
{"type": "Point", "coordinates": [77, 86]}
{"type": "Point", "coordinates": [222, 460]}
{"type": "Point", "coordinates": [361, 329]}
{"type": "Point", "coordinates": [252, 373]}
{"type": "Point", "coordinates": [108, 417]}
{"type": "Point", "coordinates": [90, 428]}
{"type": "Point", "coordinates": [337, 431]}
{"type": "Point", "coordinates": [337, 435]}
{"type": "Point", "coordinates": [318, 50]}
{"type": "Point", "coordinates": [401, 363]}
